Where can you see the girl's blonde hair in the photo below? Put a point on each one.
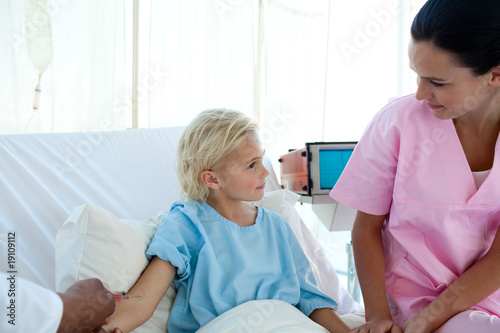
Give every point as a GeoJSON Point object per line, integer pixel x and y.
{"type": "Point", "coordinates": [206, 141]}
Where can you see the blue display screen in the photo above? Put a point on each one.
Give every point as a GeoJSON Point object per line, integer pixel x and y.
{"type": "Point", "coordinates": [331, 164]}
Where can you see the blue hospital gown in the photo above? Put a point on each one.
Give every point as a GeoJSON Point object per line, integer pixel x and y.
{"type": "Point", "coordinates": [221, 265]}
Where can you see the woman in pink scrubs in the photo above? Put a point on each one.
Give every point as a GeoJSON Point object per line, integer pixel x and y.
{"type": "Point", "coordinates": [425, 179]}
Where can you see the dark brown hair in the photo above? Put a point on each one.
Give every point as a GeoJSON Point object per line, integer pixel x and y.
{"type": "Point", "coordinates": [468, 29]}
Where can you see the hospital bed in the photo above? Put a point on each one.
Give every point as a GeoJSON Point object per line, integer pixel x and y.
{"type": "Point", "coordinates": [81, 205]}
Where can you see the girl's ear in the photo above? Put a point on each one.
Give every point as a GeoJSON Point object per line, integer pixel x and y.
{"type": "Point", "coordinates": [209, 178]}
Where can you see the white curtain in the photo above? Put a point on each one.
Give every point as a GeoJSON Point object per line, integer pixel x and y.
{"type": "Point", "coordinates": [295, 44]}
{"type": "Point", "coordinates": [363, 65]}
{"type": "Point", "coordinates": [201, 56]}
{"type": "Point", "coordinates": [84, 86]}
{"type": "Point", "coordinates": [264, 58]}
{"type": "Point", "coordinates": [305, 70]}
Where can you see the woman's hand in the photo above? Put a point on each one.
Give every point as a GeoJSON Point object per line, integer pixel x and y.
{"type": "Point", "coordinates": [378, 326]}
{"type": "Point", "coordinates": [417, 324]}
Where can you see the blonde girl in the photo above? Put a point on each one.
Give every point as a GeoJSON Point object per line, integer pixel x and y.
{"type": "Point", "coordinates": [219, 251]}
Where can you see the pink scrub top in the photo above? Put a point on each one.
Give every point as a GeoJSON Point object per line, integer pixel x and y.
{"type": "Point", "coordinates": [411, 165]}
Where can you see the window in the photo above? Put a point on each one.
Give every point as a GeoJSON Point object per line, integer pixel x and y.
{"type": "Point", "coordinates": [307, 71]}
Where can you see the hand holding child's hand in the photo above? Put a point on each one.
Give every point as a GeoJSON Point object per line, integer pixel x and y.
{"type": "Point", "coordinates": [101, 330]}
{"type": "Point", "coordinates": [416, 324]}
{"type": "Point", "coordinates": [378, 326]}
{"type": "Point", "coordinates": [86, 305]}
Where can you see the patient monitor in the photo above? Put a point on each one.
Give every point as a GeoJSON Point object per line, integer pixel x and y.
{"type": "Point", "coordinates": [312, 172]}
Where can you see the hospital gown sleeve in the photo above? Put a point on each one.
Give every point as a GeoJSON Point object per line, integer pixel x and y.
{"type": "Point", "coordinates": [176, 240]}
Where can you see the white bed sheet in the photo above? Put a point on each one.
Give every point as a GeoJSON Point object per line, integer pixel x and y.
{"type": "Point", "coordinates": [44, 176]}
{"type": "Point", "coordinates": [263, 316]}
{"type": "Point", "coordinates": [270, 316]}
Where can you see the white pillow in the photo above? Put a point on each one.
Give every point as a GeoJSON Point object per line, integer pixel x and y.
{"type": "Point", "coordinates": [93, 243]}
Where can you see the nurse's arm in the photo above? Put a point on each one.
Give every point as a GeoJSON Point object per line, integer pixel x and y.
{"type": "Point", "coordinates": [478, 282]}
{"type": "Point", "coordinates": [370, 265]}
{"type": "Point", "coordinates": [151, 287]}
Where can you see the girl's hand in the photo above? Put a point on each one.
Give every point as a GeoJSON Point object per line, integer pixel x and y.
{"type": "Point", "coordinates": [101, 330]}
{"type": "Point", "coordinates": [378, 326]}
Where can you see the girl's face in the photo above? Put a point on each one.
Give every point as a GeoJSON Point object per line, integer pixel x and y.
{"type": "Point", "coordinates": [450, 91]}
{"type": "Point", "coordinates": [242, 177]}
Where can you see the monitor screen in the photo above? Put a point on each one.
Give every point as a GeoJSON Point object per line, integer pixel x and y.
{"type": "Point", "coordinates": [331, 164]}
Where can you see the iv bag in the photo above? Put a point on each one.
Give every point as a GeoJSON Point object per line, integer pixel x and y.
{"type": "Point", "coordinates": [37, 28]}
{"type": "Point", "coordinates": [38, 32]}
